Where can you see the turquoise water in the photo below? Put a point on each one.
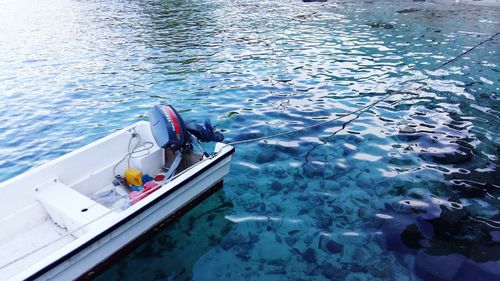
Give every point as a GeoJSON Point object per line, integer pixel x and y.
{"type": "Point", "coordinates": [409, 190]}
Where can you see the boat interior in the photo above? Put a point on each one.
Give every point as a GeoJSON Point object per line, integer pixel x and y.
{"type": "Point", "coordinates": [54, 204]}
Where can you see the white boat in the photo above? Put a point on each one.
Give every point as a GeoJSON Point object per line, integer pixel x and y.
{"type": "Point", "coordinates": [52, 225]}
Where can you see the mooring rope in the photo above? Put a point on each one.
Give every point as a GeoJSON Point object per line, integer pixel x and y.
{"type": "Point", "coordinates": [468, 51]}
{"type": "Point", "coordinates": [365, 108]}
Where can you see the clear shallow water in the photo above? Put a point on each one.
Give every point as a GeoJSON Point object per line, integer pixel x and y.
{"type": "Point", "coordinates": [408, 191]}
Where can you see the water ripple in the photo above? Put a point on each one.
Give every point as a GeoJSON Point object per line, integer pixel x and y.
{"type": "Point", "coordinates": [410, 184]}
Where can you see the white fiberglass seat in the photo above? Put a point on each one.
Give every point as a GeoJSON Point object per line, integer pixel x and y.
{"type": "Point", "coordinates": [68, 208]}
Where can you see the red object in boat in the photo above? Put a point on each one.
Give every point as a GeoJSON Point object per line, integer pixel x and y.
{"type": "Point", "coordinates": [150, 185]}
{"type": "Point", "coordinates": [159, 178]}
{"type": "Point", "coordinates": [149, 188]}
{"type": "Point", "coordinates": [134, 197]}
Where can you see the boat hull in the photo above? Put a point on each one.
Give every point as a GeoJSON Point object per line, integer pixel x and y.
{"type": "Point", "coordinates": [102, 247]}
{"type": "Point", "coordinates": [116, 256]}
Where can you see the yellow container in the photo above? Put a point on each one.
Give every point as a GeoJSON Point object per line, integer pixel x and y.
{"type": "Point", "coordinates": [133, 176]}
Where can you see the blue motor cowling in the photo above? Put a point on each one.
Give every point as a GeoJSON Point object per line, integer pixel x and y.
{"type": "Point", "coordinates": [168, 128]}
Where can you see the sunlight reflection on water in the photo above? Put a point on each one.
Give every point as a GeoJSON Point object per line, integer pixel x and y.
{"type": "Point", "coordinates": [408, 185]}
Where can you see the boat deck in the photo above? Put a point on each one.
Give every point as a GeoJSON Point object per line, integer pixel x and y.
{"type": "Point", "coordinates": [22, 250]}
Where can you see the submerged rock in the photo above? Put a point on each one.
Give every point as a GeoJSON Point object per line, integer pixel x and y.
{"type": "Point", "coordinates": [309, 255]}
{"type": "Point", "coordinates": [331, 272]}
{"type": "Point", "coordinates": [231, 240]}
{"type": "Point", "coordinates": [334, 247]}
{"type": "Point", "coordinates": [397, 231]}
{"type": "Point", "coordinates": [279, 172]}
{"type": "Point", "coordinates": [361, 256]}
{"type": "Point", "coordinates": [381, 24]}
{"type": "Point", "coordinates": [425, 227]}
{"type": "Point", "coordinates": [495, 236]}
{"type": "Point", "coordinates": [328, 270]}
{"type": "Point", "coordinates": [408, 10]}
{"type": "Point", "coordinates": [355, 276]}
{"type": "Point", "coordinates": [360, 197]}
{"type": "Point", "coordinates": [479, 271]}
{"type": "Point", "coordinates": [337, 210]}
{"type": "Point", "coordinates": [290, 240]}
{"type": "Point", "coordinates": [430, 267]}
{"type": "Point", "coordinates": [264, 157]}
{"type": "Point", "coordinates": [274, 253]}
{"type": "Point", "coordinates": [312, 170]}
{"type": "Point", "coordinates": [446, 231]}
{"type": "Point", "coordinates": [276, 186]}
{"type": "Point", "coordinates": [364, 180]}
{"type": "Point", "coordinates": [279, 271]}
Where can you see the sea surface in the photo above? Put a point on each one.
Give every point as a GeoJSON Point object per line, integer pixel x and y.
{"type": "Point", "coordinates": [407, 190]}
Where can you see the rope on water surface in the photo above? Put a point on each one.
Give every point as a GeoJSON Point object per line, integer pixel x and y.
{"type": "Point", "coordinates": [468, 51]}
{"type": "Point", "coordinates": [365, 108]}
{"type": "Point", "coordinates": [361, 109]}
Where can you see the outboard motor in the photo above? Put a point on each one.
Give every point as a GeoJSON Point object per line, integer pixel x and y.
{"type": "Point", "coordinates": [171, 133]}
{"type": "Point", "coordinates": [168, 128]}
